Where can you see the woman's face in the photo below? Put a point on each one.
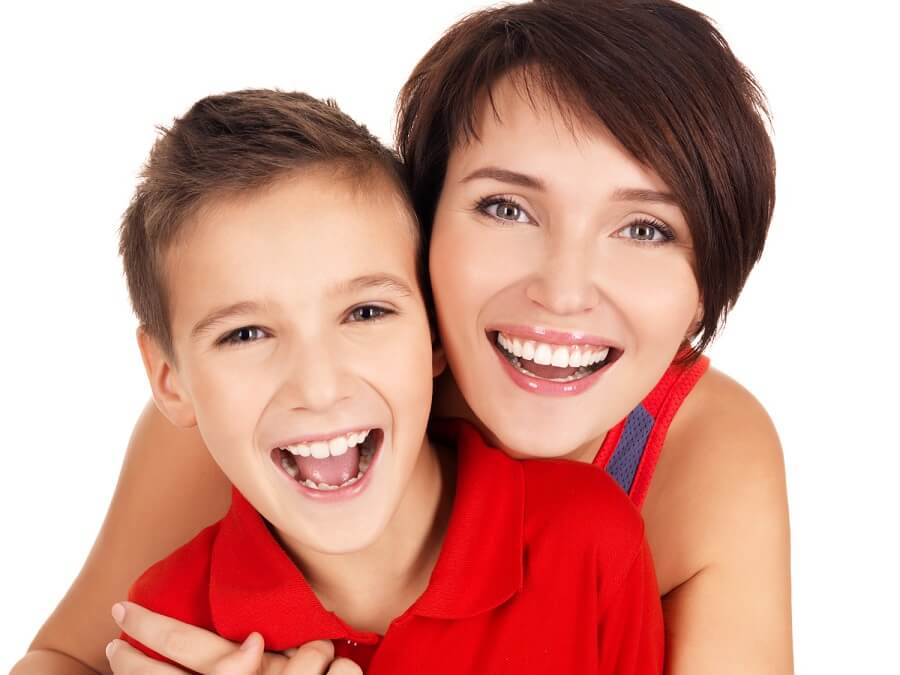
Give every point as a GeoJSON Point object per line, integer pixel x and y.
{"type": "Point", "coordinates": [562, 274]}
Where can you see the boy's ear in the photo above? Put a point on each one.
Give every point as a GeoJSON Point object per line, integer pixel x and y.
{"type": "Point", "coordinates": [438, 356]}
{"type": "Point", "coordinates": [169, 394]}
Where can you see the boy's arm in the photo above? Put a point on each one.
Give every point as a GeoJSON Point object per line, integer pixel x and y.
{"type": "Point", "coordinates": [631, 636]}
{"type": "Point", "coordinates": [169, 489]}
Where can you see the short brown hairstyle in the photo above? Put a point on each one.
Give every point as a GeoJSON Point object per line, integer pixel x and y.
{"type": "Point", "coordinates": [657, 74]}
{"type": "Point", "coordinates": [230, 144]}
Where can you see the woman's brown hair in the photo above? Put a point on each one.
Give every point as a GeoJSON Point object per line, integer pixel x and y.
{"type": "Point", "coordinates": [657, 74]}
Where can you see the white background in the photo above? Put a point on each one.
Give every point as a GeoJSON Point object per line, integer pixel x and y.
{"type": "Point", "coordinates": [813, 336]}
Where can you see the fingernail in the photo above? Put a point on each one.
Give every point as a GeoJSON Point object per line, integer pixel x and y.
{"type": "Point", "coordinates": [110, 648]}
{"type": "Point", "coordinates": [245, 645]}
{"type": "Point", "coordinates": [118, 613]}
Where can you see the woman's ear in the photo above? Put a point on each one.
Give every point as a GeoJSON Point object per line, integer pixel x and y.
{"type": "Point", "coordinates": [169, 393]}
{"type": "Point", "coordinates": [696, 324]}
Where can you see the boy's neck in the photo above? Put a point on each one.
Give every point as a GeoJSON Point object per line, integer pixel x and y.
{"type": "Point", "coordinates": [369, 588]}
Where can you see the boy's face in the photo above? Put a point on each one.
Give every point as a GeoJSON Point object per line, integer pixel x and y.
{"type": "Point", "coordinates": [303, 353]}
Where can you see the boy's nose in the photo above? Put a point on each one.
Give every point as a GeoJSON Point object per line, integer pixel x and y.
{"type": "Point", "coordinates": [314, 379]}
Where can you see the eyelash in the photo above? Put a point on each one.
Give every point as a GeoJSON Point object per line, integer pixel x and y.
{"type": "Point", "coordinates": [384, 312]}
{"type": "Point", "coordinates": [666, 231]}
{"type": "Point", "coordinates": [482, 205]}
{"type": "Point", "coordinates": [231, 339]}
{"type": "Point", "coordinates": [485, 202]}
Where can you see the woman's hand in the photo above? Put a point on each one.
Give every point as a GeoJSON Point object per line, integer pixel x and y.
{"type": "Point", "coordinates": [204, 652]}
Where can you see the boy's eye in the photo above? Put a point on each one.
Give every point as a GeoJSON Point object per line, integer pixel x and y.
{"type": "Point", "coordinates": [649, 231]}
{"type": "Point", "coordinates": [243, 335]}
{"type": "Point", "coordinates": [368, 313]}
{"type": "Point", "coordinates": [504, 208]}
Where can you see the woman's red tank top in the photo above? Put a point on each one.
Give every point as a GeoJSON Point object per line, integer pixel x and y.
{"type": "Point", "coordinates": [631, 449]}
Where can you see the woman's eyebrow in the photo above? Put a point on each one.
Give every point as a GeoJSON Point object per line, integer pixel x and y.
{"type": "Point", "coordinates": [524, 180]}
{"type": "Point", "coordinates": [640, 195]}
{"type": "Point", "coordinates": [506, 176]}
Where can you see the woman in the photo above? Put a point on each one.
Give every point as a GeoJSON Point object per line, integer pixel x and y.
{"type": "Point", "coordinates": [599, 183]}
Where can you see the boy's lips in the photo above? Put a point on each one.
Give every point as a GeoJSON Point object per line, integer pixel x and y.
{"type": "Point", "coordinates": [320, 474]}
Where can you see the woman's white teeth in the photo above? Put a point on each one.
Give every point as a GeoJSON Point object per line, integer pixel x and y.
{"type": "Point", "coordinates": [545, 354]}
{"type": "Point", "coordinates": [333, 447]}
{"type": "Point", "coordinates": [527, 350]}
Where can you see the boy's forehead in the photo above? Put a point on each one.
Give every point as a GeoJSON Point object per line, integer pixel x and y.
{"type": "Point", "coordinates": [309, 230]}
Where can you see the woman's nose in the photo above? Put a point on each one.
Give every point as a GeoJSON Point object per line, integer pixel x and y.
{"type": "Point", "coordinates": [565, 283]}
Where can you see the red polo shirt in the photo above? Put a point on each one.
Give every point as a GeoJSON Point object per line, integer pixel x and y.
{"type": "Point", "coordinates": [544, 569]}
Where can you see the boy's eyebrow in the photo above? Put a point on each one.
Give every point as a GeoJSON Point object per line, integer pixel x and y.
{"type": "Point", "coordinates": [524, 180]}
{"type": "Point", "coordinates": [214, 317]}
{"type": "Point", "coordinates": [386, 282]}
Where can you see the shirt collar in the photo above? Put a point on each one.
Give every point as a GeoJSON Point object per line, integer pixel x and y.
{"type": "Point", "coordinates": [255, 586]}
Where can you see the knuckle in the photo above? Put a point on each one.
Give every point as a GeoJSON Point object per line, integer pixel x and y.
{"type": "Point", "coordinates": [319, 648]}
{"type": "Point", "coordinates": [174, 643]}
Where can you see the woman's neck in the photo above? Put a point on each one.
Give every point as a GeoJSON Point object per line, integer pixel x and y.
{"type": "Point", "coordinates": [450, 403]}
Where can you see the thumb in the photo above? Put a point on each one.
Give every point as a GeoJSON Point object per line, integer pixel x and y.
{"type": "Point", "coordinates": [245, 660]}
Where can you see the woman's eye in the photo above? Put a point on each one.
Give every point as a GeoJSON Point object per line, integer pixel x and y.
{"type": "Point", "coordinates": [504, 209]}
{"type": "Point", "coordinates": [368, 313]}
{"type": "Point", "coordinates": [243, 335]}
{"type": "Point", "coordinates": [647, 231]}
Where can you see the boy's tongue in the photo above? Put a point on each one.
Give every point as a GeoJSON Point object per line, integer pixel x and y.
{"type": "Point", "coordinates": [333, 470]}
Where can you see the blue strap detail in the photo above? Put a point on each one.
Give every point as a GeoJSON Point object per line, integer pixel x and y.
{"type": "Point", "coordinates": [622, 466]}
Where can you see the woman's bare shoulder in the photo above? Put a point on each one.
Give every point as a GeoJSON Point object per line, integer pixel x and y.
{"type": "Point", "coordinates": [717, 523]}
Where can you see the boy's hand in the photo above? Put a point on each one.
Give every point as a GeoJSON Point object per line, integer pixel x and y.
{"type": "Point", "coordinates": [204, 652]}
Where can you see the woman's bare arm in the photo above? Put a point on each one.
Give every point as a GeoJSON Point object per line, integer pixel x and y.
{"type": "Point", "coordinates": [168, 490]}
{"type": "Point", "coordinates": [717, 523]}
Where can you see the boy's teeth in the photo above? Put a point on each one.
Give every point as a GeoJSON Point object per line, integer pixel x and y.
{"type": "Point", "coordinates": [334, 447]}
{"type": "Point", "coordinates": [337, 446]}
{"type": "Point", "coordinates": [327, 486]}
{"type": "Point", "coordinates": [290, 466]}
{"type": "Point", "coordinates": [546, 354]}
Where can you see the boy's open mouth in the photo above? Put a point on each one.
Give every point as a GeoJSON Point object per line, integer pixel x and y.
{"type": "Point", "coordinates": [330, 464]}
{"type": "Point", "coordinates": [554, 363]}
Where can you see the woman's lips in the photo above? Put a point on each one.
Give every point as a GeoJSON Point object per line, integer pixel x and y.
{"type": "Point", "coordinates": [553, 336]}
{"type": "Point", "coordinates": [547, 387]}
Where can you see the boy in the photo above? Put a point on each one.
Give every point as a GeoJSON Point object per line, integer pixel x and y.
{"type": "Point", "coordinates": [275, 265]}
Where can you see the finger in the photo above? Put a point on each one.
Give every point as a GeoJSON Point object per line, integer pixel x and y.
{"type": "Point", "coordinates": [244, 660]}
{"type": "Point", "coordinates": [313, 658]}
{"type": "Point", "coordinates": [344, 667]}
{"type": "Point", "coordinates": [191, 647]}
{"type": "Point", "coordinates": [124, 659]}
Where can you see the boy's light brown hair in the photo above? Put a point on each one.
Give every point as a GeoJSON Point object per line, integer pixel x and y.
{"type": "Point", "coordinates": [231, 144]}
